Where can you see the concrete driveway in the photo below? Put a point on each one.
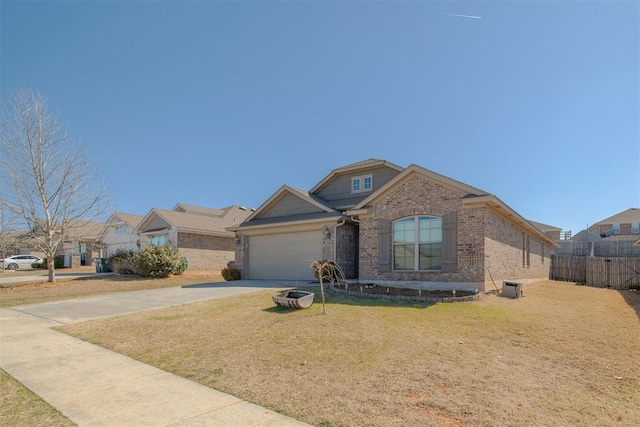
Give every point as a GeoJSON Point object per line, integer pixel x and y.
{"type": "Point", "coordinates": [93, 386]}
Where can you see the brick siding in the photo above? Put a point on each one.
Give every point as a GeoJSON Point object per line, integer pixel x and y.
{"type": "Point", "coordinates": [484, 238]}
{"type": "Point", "coordinates": [513, 254]}
{"type": "Point", "coordinates": [206, 252]}
{"type": "Point", "coordinates": [240, 253]}
{"type": "Point", "coordinates": [421, 196]}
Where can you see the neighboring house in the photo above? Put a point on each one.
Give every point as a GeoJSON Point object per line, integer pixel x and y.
{"type": "Point", "coordinates": [384, 223]}
{"type": "Point", "coordinates": [80, 244]}
{"type": "Point", "coordinates": [119, 233]}
{"type": "Point", "coordinates": [198, 233]}
{"type": "Point", "coordinates": [14, 243]}
{"type": "Point", "coordinates": [624, 225]}
{"type": "Point", "coordinates": [550, 231]}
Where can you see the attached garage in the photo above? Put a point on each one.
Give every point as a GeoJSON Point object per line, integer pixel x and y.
{"type": "Point", "coordinates": [286, 256]}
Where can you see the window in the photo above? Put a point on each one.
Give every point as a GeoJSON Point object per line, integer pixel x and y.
{"type": "Point", "coordinates": [367, 182]}
{"type": "Point", "coordinates": [616, 228]}
{"type": "Point", "coordinates": [360, 184]}
{"type": "Point", "coordinates": [526, 250]}
{"type": "Point", "coordinates": [417, 243]}
{"type": "Point", "coordinates": [635, 228]}
{"type": "Point", "coordinates": [121, 229]}
{"type": "Point", "coordinates": [158, 240]}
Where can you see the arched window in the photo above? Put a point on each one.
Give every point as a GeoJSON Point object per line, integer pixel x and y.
{"type": "Point", "coordinates": [417, 243]}
{"type": "Point", "coordinates": [158, 240]}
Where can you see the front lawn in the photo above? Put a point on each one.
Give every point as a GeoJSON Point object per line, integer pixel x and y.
{"type": "Point", "coordinates": [561, 355]}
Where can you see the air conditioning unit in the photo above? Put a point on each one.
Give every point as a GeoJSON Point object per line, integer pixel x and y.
{"type": "Point", "coordinates": [511, 289]}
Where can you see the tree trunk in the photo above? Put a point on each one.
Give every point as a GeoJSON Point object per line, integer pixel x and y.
{"type": "Point", "coordinates": [51, 266]}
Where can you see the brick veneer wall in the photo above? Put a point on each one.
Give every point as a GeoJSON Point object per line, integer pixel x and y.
{"type": "Point", "coordinates": [240, 253]}
{"type": "Point", "coordinates": [484, 238]}
{"type": "Point", "coordinates": [206, 252]}
{"type": "Point", "coordinates": [420, 196]}
{"type": "Point", "coordinates": [507, 246]}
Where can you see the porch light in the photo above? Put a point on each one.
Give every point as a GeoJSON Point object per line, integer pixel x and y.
{"type": "Point", "coordinates": [326, 232]}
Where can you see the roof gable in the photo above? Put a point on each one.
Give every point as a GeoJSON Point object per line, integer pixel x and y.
{"type": "Point", "coordinates": [182, 207]}
{"type": "Point", "coordinates": [288, 201]}
{"type": "Point", "coordinates": [411, 171]}
{"type": "Point", "coordinates": [544, 227]}
{"type": "Point", "coordinates": [336, 189]}
{"type": "Point", "coordinates": [354, 169]}
{"type": "Point", "coordinates": [631, 215]}
{"type": "Point", "coordinates": [119, 219]}
{"type": "Point", "coordinates": [197, 223]}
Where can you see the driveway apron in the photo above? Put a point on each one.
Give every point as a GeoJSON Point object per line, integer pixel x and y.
{"type": "Point", "coordinates": [93, 386]}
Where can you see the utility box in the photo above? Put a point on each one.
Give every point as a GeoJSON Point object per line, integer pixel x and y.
{"type": "Point", "coordinates": [511, 289]}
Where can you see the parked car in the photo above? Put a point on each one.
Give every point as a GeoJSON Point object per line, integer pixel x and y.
{"type": "Point", "coordinates": [19, 261]}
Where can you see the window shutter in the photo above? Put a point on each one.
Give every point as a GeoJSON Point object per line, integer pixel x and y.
{"type": "Point", "coordinates": [384, 245]}
{"type": "Point", "coordinates": [450, 242]}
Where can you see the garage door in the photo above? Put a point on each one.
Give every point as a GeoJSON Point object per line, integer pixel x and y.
{"type": "Point", "coordinates": [284, 256]}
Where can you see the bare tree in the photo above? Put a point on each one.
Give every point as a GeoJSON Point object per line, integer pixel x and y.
{"type": "Point", "coordinates": [48, 180]}
{"type": "Point", "coordinates": [9, 238]}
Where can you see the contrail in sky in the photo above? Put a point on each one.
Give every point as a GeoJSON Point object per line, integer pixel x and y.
{"type": "Point", "coordinates": [462, 16]}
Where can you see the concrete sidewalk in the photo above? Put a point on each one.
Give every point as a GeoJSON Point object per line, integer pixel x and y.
{"type": "Point", "coordinates": [93, 386]}
{"type": "Point", "coordinates": [8, 278]}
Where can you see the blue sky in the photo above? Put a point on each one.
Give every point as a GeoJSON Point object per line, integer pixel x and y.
{"type": "Point", "coordinates": [215, 103]}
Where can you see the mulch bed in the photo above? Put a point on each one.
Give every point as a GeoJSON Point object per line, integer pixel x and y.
{"type": "Point", "coordinates": [387, 292]}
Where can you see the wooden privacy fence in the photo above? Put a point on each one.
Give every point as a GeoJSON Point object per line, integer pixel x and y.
{"type": "Point", "coordinates": [569, 268]}
{"type": "Point", "coordinates": [610, 272]}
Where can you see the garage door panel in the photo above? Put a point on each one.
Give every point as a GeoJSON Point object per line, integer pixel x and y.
{"type": "Point", "coordinates": [284, 256]}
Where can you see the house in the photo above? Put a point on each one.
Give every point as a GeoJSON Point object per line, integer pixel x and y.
{"type": "Point", "coordinates": [624, 225]}
{"type": "Point", "coordinates": [384, 223]}
{"type": "Point", "coordinates": [80, 243]}
{"type": "Point", "coordinates": [119, 233]}
{"type": "Point", "coordinates": [198, 233]}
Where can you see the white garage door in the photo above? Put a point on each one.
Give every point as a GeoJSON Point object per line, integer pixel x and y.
{"type": "Point", "coordinates": [284, 256]}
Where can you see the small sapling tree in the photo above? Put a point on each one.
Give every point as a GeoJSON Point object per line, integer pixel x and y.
{"type": "Point", "coordinates": [326, 271]}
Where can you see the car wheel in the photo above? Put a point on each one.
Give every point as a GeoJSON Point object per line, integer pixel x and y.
{"type": "Point", "coordinates": [12, 266]}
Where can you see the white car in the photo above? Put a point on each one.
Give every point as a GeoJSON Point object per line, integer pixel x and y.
{"type": "Point", "coordinates": [19, 261]}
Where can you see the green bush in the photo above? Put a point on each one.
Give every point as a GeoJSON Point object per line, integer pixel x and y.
{"type": "Point", "coordinates": [182, 266]}
{"type": "Point", "coordinates": [57, 263]}
{"type": "Point", "coordinates": [157, 261]}
{"type": "Point", "coordinates": [123, 261]}
{"type": "Point", "coordinates": [231, 273]}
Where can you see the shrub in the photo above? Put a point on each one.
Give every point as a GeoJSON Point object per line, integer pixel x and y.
{"type": "Point", "coordinates": [157, 261]}
{"type": "Point", "coordinates": [231, 273]}
{"type": "Point", "coordinates": [182, 266]}
{"type": "Point", "coordinates": [57, 263]}
{"type": "Point", "coordinates": [123, 261]}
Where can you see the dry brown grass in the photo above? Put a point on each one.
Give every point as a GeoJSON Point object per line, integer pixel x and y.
{"type": "Point", "coordinates": [563, 355]}
{"type": "Point", "coordinates": [20, 407]}
{"type": "Point", "coordinates": [66, 289]}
